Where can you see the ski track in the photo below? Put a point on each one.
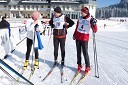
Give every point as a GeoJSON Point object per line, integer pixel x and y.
{"type": "Point", "coordinates": [109, 53]}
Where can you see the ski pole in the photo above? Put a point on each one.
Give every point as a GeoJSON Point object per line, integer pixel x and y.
{"type": "Point", "coordinates": [47, 48]}
{"type": "Point", "coordinates": [33, 42]}
{"type": "Point", "coordinates": [95, 57]}
{"type": "Point", "coordinates": [11, 69]}
{"type": "Point", "coordinates": [18, 44]}
{"type": "Point", "coordinates": [8, 74]}
{"type": "Point", "coordinates": [94, 49]}
{"type": "Point", "coordinates": [21, 41]}
{"type": "Point", "coordinates": [48, 44]}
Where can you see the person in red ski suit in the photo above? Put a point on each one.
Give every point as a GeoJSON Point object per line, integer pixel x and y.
{"type": "Point", "coordinates": [81, 36]}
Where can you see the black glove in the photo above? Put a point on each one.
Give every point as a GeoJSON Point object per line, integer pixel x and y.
{"type": "Point", "coordinates": [52, 26]}
{"type": "Point", "coordinates": [36, 26]}
{"type": "Point", "coordinates": [94, 21]}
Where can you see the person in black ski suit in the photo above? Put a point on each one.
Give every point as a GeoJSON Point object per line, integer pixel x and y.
{"type": "Point", "coordinates": [60, 23]}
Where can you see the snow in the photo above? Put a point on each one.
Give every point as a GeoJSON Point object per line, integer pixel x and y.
{"type": "Point", "coordinates": [112, 49]}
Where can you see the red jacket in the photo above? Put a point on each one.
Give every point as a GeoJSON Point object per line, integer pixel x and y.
{"type": "Point", "coordinates": [82, 36]}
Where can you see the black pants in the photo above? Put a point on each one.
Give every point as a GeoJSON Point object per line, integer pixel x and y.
{"type": "Point", "coordinates": [84, 46]}
{"type": "Point", "coordinates": [56, 42]}
{"type": "Point", "coordinates": [29, 46]}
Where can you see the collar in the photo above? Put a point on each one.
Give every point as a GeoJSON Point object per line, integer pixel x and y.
{"type": "Point", "coordinates": [86, 17]}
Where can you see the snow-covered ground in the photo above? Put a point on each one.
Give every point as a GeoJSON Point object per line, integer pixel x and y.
{"type": "Point", "coordinates": [112, 49]}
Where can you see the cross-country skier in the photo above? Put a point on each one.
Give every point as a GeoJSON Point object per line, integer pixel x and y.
{"type": "Point", "coordinates": [81, 35]}
{"type": "Point", "coordinates": [32, 25]}
{"type": "Point", "coordinates": [60, 23]}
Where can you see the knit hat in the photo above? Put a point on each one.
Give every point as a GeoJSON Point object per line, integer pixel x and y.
{"type": "Point", "coordinates": [85, 10]}
{"type": "Point", "coordinates": [58, 9]}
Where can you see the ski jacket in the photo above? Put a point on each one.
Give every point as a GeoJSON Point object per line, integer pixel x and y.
{"type": "Point", "coordinates": [4, 24]}
{"type": "Point", "coordinates": [30, 28]}
{"type": "Point", "coordinates": [59, 26]}
{"type": "Point", "coordinates": [83, 28]}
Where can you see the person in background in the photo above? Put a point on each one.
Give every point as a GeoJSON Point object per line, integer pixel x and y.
{"type": "Point", "coordinates": [60, 23]}
{"type": "Point", "coordinates": [32, 25]}
{"type": "Point", "coordinates": [81, 36]}
{"type": "Point", "coordinates": [5, 24]}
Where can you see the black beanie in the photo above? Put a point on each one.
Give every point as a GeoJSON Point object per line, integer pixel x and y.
{"type": "Point", "coordinates": [58, 9]}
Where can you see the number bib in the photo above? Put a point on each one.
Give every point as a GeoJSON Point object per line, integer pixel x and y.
{"type": "Point", "coordinates": [59, 22]}
{"type": "Point", "coordinates": [84, 25]}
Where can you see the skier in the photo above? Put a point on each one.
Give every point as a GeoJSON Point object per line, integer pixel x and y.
{"type": "Point", "coordinates": [60, 23]}
{"type": "Point", "coordinates": [32, 25]}
{"type": "Point", "coordinates": [81, 36]}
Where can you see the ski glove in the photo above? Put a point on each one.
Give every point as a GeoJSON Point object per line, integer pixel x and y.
{"type": "Point", "coordinates": [94, 21]}
{"type": "Point", "coordinates": [36, 27]}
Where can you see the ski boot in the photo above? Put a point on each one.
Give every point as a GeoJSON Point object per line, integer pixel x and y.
{"type": "Point", "coordinates": [55, 63]}
{"type": "Point", "coordinates": [62, 64]}
{"type": "Point", "coordinates": [87, 69]}
{"type": "Point", "coordinates": [79, 68]}
{"type": "Point", "coordinates": [25, 64]}
{"type": "Point", "coordinates": [36, 64]}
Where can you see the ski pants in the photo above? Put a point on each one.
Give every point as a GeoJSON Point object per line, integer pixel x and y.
{"type": "Point", "coordinates": [29, 46]}
{"type": "Point", "coordinates": [82, 45]}
{"type": "Point", "coordinates": [56, 42]}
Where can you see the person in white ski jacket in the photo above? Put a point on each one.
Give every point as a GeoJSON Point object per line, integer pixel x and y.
{"type": "Point", "coordinates": [32, 25]}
